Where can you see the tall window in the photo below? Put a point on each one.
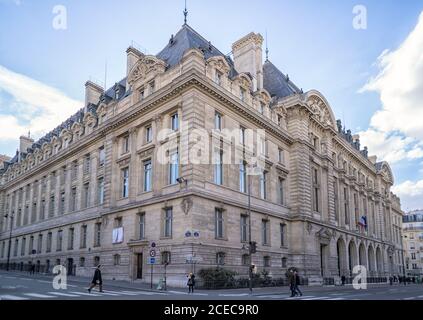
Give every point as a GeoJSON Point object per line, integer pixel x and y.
{"type": "Point", "coordinates": [219, 223]}
{"type": "Point", "coordinates": [281, 156]}
{"type": "Point", "coordinates": [73, 200]}
{"type": "Point", "coordinates": [23, 246]}
{"type": "Point", "coordinates": [15, 249]}
{"type": "Point", "coordinates": [51, 210]}
{"type": "Point", "coordinates": [62, 203]}
{"type": "Point", "coordinates": [263, 185]}
{"type": "Point", "coordinates": [71, 236]}
{"type": "Point", "coordinates": [101, 156]}
{"type": "Point", "coordinates": [168, 217]}
{"type": "Point", "coordinates": [335, 192]}
{"type": "Point", "coordinates": [316, 190]}
{"type": "Point", "coordinates": [74, 169]}
{"type": "Point", "coordinates": [243, 177]}
{"type": "Point", "coordinates": [83, 240]}
{"type": "Point", "coordinates": [147, 176]}
{"type": "Point", "coordinates": [356, 213]}
{"type": "Point", "coordinates": [125, 144]}
{"type": "Point", "coordinates": [40, 244]}
{"type": "Point", "coordinates": [87, 164]}
{"type": "Point", "coordinates": [100, 192]}
{"type": "Point", "coordinates": [125, 183]}
{"type": "Point", "coordinates": [281, 193]}
{"type": "Point", "coordinates": [244, 228]}
{"type": "Point", "coordinates": [59, 240]}
{"type": "Point", "coordinates": [141, 223]}
{"type": "Point", "coordinates": [174, 167]}
{"type": "Point", "coordinates": [282, 228]}
{"type": "Point", "coordinates": [174, 122]}
{"type": "Point", "coordinates": [142, 93]}
{"type": "Point", "coordinates": [97, 235]}
{"type": "Point", "coordinates": [49, 241]}
{"type": "Point", "coordinates": [31, 244]}
{"type": "Point", "coordinates": [86, 196]}
{"type": "Point", "coordinates": [346, 207]}
{"type": "Point", "coordinates": [148, 134]}
{"type": "Point", "coordinates": [218, 121]}
{"type": "Point", "coordinates": [218, 167]}
{"type": "Point", "coordinates": [33, 212]}
{"type": "Point", "coordinates": [265, 232]}
{"type": "Point", "coordinates": [266, 261]}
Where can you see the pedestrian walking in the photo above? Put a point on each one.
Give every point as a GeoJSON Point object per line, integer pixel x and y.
{"type": "Point", "coordinates": [191, 283]}
{"type": "Point", "coordinates": [391, 280]}
{"type": "Point", "coordinates": [297, 283]}
{"type": "Point", "coordinates": [97, 280]}
{"type": "Point", "coordinates": [343, 279]}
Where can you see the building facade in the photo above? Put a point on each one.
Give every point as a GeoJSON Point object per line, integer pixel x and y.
{"type": "Point", "coordinates": [120, 174]}
{"type": "Point", "coordinates": [413, 242]}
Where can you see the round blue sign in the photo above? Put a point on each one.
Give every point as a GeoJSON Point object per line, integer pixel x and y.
{"type": "Point", "coordinates": [196, 234]}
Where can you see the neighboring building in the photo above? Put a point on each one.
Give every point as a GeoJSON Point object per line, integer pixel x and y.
{"type": "Point", "coordinates": [413, 242]}
{"type": "Point", "coordinates": [94, 191]}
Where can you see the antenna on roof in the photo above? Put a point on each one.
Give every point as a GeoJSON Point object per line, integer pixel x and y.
{"type": "Point", "coordinates": [267, 48]}
{"type": "Point", "coordinates": [185, 13]}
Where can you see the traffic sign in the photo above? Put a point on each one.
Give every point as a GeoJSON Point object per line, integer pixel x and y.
{"type": "Point", "coordinates": [151, 260]}
{"type": "Point", "coordinates": [152, 253]}
{"type": "Point", "coordinates": [153, 244]}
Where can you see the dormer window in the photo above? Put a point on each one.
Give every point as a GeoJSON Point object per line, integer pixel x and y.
{"type": "Point", "coordinates": [218, 78]}
{"type": "Point", "coordinates": [242, 94]}
{"type": "Point", "coordinates": [261, 108]}
{"type": "Point", "coordinates": [117, 94]}
{"type": "Point", "coordinates": [279, 120]}
{"type": "Point", "coordinates": [142, 94]}
{"type": "Point", "coordinates": [152, 85]}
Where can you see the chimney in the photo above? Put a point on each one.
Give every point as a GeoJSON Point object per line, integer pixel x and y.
{"type": "Point", "coordinates": [133, 56]}
{"type": "Point", "coordinates": [92, 93]}
{"type": "Point", "coordinates": [248, 57]}
{"type": "Point", "coordinates": [25, 143]}
{"type": "Point", "coordinates": [373, 159]}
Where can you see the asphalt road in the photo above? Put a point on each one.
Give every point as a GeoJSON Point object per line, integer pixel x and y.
{"type": "Point", "coordinates": [25, 287]}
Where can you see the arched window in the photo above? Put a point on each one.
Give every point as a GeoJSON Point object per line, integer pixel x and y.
{"type": "Point", "coordinates": [116, 259]}
{"type": "Point", "coordinates": [220, 258]}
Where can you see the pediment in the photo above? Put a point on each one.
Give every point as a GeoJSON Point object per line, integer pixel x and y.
{"type": "Point", "coordinates": [144, 67]}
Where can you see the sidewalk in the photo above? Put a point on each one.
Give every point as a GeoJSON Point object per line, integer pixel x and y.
{"type": "Point", "coordinates": [242, 291]}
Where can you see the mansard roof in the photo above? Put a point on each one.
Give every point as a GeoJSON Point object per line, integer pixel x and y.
{"type": "Point", "coordinates": [187, 38]}
{"type": "Point", "coordinates": [276, 83]}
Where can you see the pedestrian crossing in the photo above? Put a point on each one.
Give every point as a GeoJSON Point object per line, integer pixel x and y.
{"type": "Point", "coordinates": [78, 294]}
{"type": "Point", "coordinates": [305, 298]}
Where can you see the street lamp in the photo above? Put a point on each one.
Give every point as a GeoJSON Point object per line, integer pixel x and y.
{"type": "Point", "coordinates": [252, 245]}
{"type": "Point", "coordinates": [10, 240]}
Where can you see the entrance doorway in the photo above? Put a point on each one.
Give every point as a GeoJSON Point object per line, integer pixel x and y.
{"type": "Point", "coordinates": [323, 259]}
{"type": "Point", "coordinates": [139, 265]}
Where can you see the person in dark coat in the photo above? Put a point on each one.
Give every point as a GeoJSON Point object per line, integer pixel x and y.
{"type": "Point", "coordinates": [297, 283]}
{"type": "Point", "coordinates": [343, 279]}
{"type": "Point", "coordinates": [292, 283]}
{"type": "Point", "coordinates": [191, 283]}
{"type": "Point", "coordinates": [97, 280]}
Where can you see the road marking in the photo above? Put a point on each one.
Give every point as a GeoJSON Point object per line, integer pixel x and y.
{"type": "Point", "coordinates": [26, 279]}
{"type": "Point", "coordinates": [302, 297]}
{"type": "Point", "coordinates": [199, 294]}
{"type": "Point", "coordinates": [85, 294]}
{"type": "Point", "coordinates": [10, 297]}
{"type": "Point", "coordinates": [178, 292]}
{"type": "Point", "coordinates": [316, 298]}
{"type": "Point", "coordinates": [44, 281]}
{"type": "Point", "coordinates": [37, 295]}
{"type": "Point", "coordinates": [410, 298]}
{"type": "Point", "coordinates": [234, 295]}
{"type": "Point", "coordinates": [62, 294]}
{"type": "Point", "coordinates": [10, 277]}
{"type": "Point", "coordinates": [335, 299]}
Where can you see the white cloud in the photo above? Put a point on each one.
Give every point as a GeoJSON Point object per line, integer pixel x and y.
{"type": "Point", "coordinates": [39, 107]}
{"type": "Point", "coordinates": [396, 131]}
{"type": "Point", "coordinates": [411, 194]}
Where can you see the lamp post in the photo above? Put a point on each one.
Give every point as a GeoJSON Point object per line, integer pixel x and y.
{"type": "Point", "coordinates": [10, 240]}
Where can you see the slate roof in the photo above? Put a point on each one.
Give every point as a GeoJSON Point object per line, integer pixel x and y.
{"type": "Point", "coordinates": [187, 38]}
{"type": "Point", "coordinates": [276, 83]}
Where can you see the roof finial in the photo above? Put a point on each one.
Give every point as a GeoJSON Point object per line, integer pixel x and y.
{"type": "Point", "coordinates": [185, 13]}
{"type": "Point", "coordinates": [267, 48]}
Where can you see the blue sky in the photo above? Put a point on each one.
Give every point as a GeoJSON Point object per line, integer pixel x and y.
{"type": "Point", "coordinates": [313, 41]}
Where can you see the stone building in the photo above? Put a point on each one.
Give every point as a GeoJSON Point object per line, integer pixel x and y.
{"type": "Point", "coordinates": [413, 242]}
{"type": "Point", "coordinates": [95, 189]}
